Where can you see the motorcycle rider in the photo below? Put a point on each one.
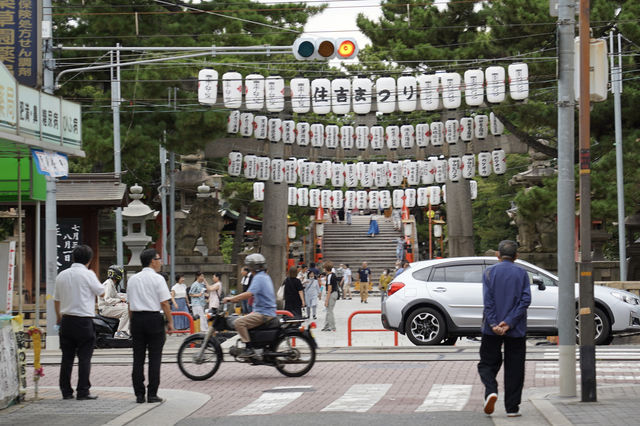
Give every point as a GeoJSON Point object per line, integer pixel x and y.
{"type": "Point", "coordinates": [114, 305]}
{"type": "Point", "coordinates": [264, 301]}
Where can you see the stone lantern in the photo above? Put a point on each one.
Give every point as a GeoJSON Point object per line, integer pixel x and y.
{"type": "Point", "coordinates": [136, 214]}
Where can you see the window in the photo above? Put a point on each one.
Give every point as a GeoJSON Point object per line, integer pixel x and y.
{"type": "Point", "coordinates": [422, 274]}
{"type": "Point", "coordinates": [547, 281]}
{"type": "Point", "coordinates": [458, 274]}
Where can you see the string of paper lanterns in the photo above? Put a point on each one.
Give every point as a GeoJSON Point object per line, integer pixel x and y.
{"type": "Point", "coordinates": [431, 92]}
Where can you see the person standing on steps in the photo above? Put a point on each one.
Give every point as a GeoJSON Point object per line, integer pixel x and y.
{"type": "Point", "coordinates": [373, 226]}
{"type": "Point", "coordinates": [506, 292]}
{"type": "Point", "coordinates": [364, 276]}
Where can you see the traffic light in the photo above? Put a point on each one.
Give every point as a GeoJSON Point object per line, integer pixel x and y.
{"type": "Point", "coordinates": [309, 49]}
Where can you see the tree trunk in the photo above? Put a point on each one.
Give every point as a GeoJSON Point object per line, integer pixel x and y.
{"type": "Point", "coordinates": [459, 213]}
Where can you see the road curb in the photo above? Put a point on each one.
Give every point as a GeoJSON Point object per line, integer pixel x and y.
{"type": "Point", "coordinates": [541, 401]}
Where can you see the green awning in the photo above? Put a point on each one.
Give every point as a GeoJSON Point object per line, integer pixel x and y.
{"type": "Point", "coordinates": [34, 185]}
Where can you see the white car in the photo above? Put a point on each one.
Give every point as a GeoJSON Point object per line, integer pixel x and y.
{"type": "Point", "coordinates": [435, 301]}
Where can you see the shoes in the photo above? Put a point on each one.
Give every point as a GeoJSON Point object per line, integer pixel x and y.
{"type": "Point", "coordinates": [366, 301]}
{"type": "Point", "coordinates": [121, 335]}
{"type": "Point", "coordinates": [245, 353]}
{"type": "Point", "coordinates": [154, 399]}
{"type": "Point", "coordinates": [140, 399]}
{"type": "Point", "coordinates": [67, 396]}
{"type": "Point", "coordinates": [516, 414]}
{"type": "Point", "coordinates": [87, 397]}
{"type": "Point", "coordinates": [490, 403]}
{"type": "Point", "coordinates": [314, 317]}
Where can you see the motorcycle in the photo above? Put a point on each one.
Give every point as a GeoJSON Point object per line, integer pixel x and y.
{"type": "Point", "coordinates": [283, 343]}
{"type": "Point", "coordinates": [105, 328]}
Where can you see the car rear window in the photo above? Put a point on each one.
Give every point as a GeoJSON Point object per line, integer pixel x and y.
{"type": "Point", "coordinates": [458, 274]}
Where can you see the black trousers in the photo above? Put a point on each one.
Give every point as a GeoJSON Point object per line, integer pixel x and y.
{"type": "Point", "coordinates": [77, 337]}
{"type": "Point", "coordinates": [515, 350]}
{"type": "Point", "coordinates": [147, 332]}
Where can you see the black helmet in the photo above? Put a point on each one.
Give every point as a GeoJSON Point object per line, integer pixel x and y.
{"type": "Point", "coordinates": [115, 272]}
{"type": "Point", "coordinates": [255, 261]}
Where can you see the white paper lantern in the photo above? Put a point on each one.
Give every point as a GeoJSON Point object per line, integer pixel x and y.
{"type": "Point", "coordinates": [428, 87]}
{"type": "Point", "coordinates": [235, 163]}
{"type": "Point", "coordinates": [351, 175]}
{"type": "Point", "coordinates": [327, 169]}
{"type": "Point", "coordinates": [290, 171]}
{"type": "Point", "coordinates": [361, 200]}
{"type": "Point", "coordinates": [274, 92]}
{"type": "Point", "coordinates": [337, 175]}
{"type": "Point", "coordinates": [395, 174]}
{"type": "Point", "coordinates": [319, 175]}
{"type": "Point", "coordinates": [300, 95]}
{"type": "Point", "coordinates": [303, 197]}
{"type": "Point", "coordinates": [376, 137]}
{"type": "Point", "coordinates": [499, 161]}
{"type": "Point", "coordinates": [304, 172]}
{"type": "Point", "coordinates": [302, 133]}
{"type": "Point", "coordinates": [444, 193]}
{"type": "Point", "coordinates": [598, 69]}
{"type": "Point", "coordinates": [410, 197]}
{"type": "Point", "coordinates": [473, 187]}
{"type": "Point", "coordinates": [451, 94]}
{"type": "Point", "coordinates": [349, 200]}
{"type": "Point", "coordinates": [274, 130]}
{"type": "Point", "coordinates": [452, 131]}
{"type": "Point", "coordinates": [258, 191]}
{"type": "Point", "coordinates": [468, 166]}
{"type": "Point", "coordinates": [362, 137]}
{"type": "Point", "coordinates": [466, 129]}
{"type": "Point", "coordinates": [481, 126]}
{"type": "Point", "coordinates": [423, 135]}
{"type": "Point", "coordinates": [288, 132]}
{"type": "Point", "coordinates": [437, 133]}
{"type": "Point", "coordinates": [494, 76]}
{"type": "Point", "coordinates": [422, 197]}
{"type": "Point", "coordinates": [392, 135]}
{"type": "Point", "coordinates": [277, 170]}
{"type": "Point", "coordinates": [314, 198]}
{"type": "Point", "coordinates": [321, 96]}
{"type": "Point", "coordinates": [254, 92]}
{"type": "Point", "coordinates": [484, 163]}
{"type": "Point", "coordinates": [404, 167]}
{"type": "Point", "coordinates": [292, 196]}
{"type": "Point", "coordinates": [346, 137]}
{"type": "Point", "coordinates": [441, 171]}
{"type": "Point", "coordinates": [385, 199]}
{"type": "Point", "coordinates": [331, 136]}
{"type": "Point", "coordinates": [232, 90]}
{"type": "Point", "coordinates": [260, 127]}
{"type": "Point", "coordinates": [429, 176]}
{"type": "Point", "coordinates": [374, 200]}
{"type": "Point", "coordinates": [264, 168]}
{"type": "Point", "coordinates": [455, 164]}
{"type": "Point", "coordinates": [407, 136]}
{"type": "Point", "coordinates": [233, 122]}
{"type": "Point", "coordinates": [326, 198]}
{"type": "Point", "coordinates": [337, 199]}
{"type": "Point", "coordinates": [207, 86]}
{"type": "Point", "coordinates": [250, 166]}
{"type": "Point", "coordinates": [518, 81]}
{"type": "Point", "coordinates": [474, 87]}
{"type": "Point", "coordinates": [407, 93]}
{"type": "Point", "coordinates": [386, 95]}
{"type": "Point", "coordinates": [316, 135]}
{"type": "Point", "coordinates": [413, 178]}
{"type": "Point", "coordinates": [398, 195]}
{"type": "Point", "coordinates": [434, 195]}
{"type": "Point", "coordinates": [246, 124]}
{"type": "Point", "coordinates": [381, 173]}
{"type": "Point", "coordinates": [341, 96]}
{"type": "Point", "coordinates": [361, 89]}
{"type": "Point", "coordinates": [496, 126]}
{"type": "Point", "coordinates": [365, 175]}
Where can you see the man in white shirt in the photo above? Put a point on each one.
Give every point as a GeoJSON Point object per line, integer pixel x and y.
{"type": "Point", "coordinates": [75, 304]}
{"type": "Point", "coordinates": [148, 295]}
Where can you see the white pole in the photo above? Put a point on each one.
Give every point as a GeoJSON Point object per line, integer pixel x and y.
{"type": "Point", "coordinates": [117, 163]}
{"type": "Point", "coordinates": [616, 88]}
{"type": "Point", "coordinates": [163, 197]}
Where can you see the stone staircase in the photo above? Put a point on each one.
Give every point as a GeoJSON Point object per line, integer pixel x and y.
{"type": "Point", "coordinates": [350, 244]}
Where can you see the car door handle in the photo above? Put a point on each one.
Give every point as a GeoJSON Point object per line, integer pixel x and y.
{"type": "Point", "coordinates": [440, 289]}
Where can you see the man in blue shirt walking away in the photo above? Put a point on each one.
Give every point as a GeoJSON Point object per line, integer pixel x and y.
{"type": "Point", "coordinates": [507, 294]}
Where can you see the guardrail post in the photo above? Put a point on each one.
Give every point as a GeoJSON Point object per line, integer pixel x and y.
{"type": "Point", "coordinates": [350, 329]}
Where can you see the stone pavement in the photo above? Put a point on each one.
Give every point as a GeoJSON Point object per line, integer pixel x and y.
{"type": "Point", "coordinates": [617, 403]}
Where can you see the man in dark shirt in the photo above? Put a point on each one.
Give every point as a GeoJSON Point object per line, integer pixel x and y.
{"type": "Point", "coordinates": [507, 294]}
{"type": "Point", "coordinates": [364, 276]}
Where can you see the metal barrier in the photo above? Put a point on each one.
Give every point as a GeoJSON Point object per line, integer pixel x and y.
{"type": "Point", "coordinates": [192, 328]}
{"type": "Point", "coordinates": [351, 330]}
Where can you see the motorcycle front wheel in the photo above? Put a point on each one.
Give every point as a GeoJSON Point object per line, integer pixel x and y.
{"type": "Point", "coordinates": [196, 365]}
{"type": "Point", "coordinates": [295, 355]}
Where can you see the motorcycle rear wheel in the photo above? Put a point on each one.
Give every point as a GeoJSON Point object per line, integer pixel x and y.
{"type": "Point", "coordinates": [199, 369]}
{"type": "Point", "coordinates": [298, 354]}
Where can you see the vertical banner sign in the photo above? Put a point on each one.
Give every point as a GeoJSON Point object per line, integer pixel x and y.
{"type": "Point", "coordinates": [69, 232]}
{"type": "Point", "coordinates": [19, 40]}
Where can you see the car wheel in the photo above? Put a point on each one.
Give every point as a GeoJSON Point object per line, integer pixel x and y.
{"type": "Point", "coordinates": [425, 326]}
{"type": "Point", "coordinates": [602, 327]}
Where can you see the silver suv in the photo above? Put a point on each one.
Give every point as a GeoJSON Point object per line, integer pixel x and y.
{"type": "Point", "coordinates": [435, 301]}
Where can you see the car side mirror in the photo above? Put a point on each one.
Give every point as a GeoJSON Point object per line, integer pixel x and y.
{"type": "Point", "coordinates": [537, 280]}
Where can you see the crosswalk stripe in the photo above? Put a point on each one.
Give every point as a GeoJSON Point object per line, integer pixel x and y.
{"type": "Point", "coordinates": [269, 402]}
{"type": "Point", "coordinates": [598, 377]}
{"type": "Point", "coordinates": [599, 369]}
{"type": "Point", "coordinates": [446, 398]}
{"type": "Point", "coordinates": [359, 398]}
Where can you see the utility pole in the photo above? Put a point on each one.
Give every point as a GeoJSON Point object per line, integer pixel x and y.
{"type": "Point", "coordinates": [163, 195]}
{"type": "Point", "coordinates": [117, 163]}
{"type": "Point", "coordinates": [566, 199]}
{"type": "Point", "coordinates": [586, 307]}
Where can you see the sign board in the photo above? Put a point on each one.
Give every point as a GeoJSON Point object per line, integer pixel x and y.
{"type": "Point", "coordinates": [7, 100]}
{"type": "Point", "coordinates": [7, 280]}
{"type": "Point", "coordinates": [20, 46]}
{"type": "Point", "coordinates": [51, 163]}
{"type": "Point", "coordinates": [69, 233]}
